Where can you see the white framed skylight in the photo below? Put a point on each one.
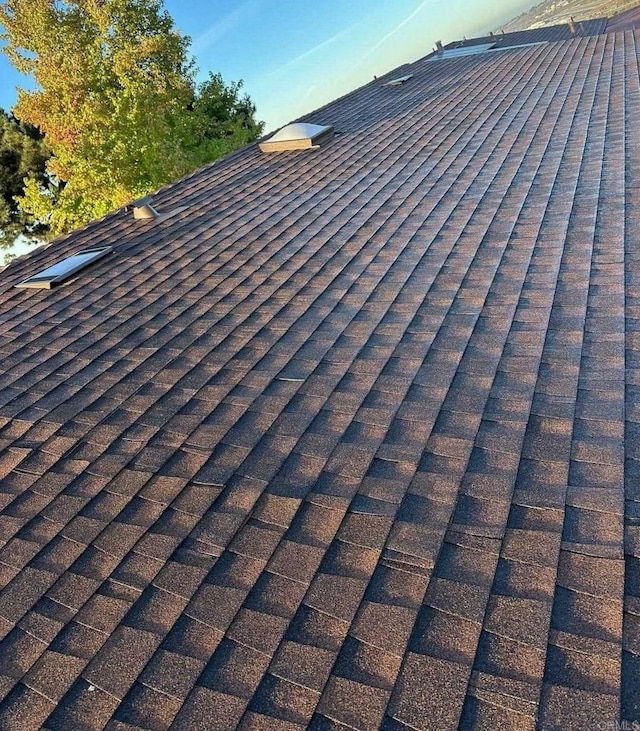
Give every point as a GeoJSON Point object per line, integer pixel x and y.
{"type": "Point", "coordinates": [462, 51]}
{"type": "Point", "coordinates": [65, 269]}
{"type": "Point", "coordinates": [399, 81]}
{"type": "Point", "coordinates": [297, 136]}
{"type": "Point", "coordinates": [520, 45]}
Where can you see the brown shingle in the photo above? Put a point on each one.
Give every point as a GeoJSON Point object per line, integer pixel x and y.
{"type": "Point", "coordinates": [25, 710]}
{"type": "Point", "coordinates": [120, 660]}
{"type": "Point", "coordinates": [235, 668]}
{"type": "Point", "coordinates": [480, 714]}
{"type": "Point", "coordinates": [415, 708]}
{"type": "Point", "coordinates": [303, 664]}
{"type": "Point", "coordinates": [368, 665]}
{"type": "Point", "coordinates": [259, 722]}
{"type": "Point", "coordinates": [281, 699]}
{"type": "Point", "coordinates": [209, 710]}
{"type": "Point", "coordinates": [84, 706]}
{"type": "Point", "coordinates": [570, 709]}
{"type": "Point", "coordinates": [145, 708]}
{"type": "Point", "coordinates": [354, 704]}
{"type": "Point", "coordinates": [193, 638]}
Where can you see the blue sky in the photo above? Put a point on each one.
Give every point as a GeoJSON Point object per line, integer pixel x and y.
{"type": "Point", "coordinates": [295, 56]}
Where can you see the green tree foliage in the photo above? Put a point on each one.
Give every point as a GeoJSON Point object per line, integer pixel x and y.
{"type": "Point", "coordinates": [117, 102]}
{"type": "Point", "coordinates": [22, 154]}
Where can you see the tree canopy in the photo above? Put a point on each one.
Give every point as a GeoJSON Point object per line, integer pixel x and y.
{"type": "Point", "coordinates": [22, 154]}
{"type": "Point", "coordinates": [117, 102]}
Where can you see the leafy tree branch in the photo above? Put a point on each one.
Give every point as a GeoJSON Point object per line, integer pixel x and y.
{"type": "Point", "coordinates": [117, 103]}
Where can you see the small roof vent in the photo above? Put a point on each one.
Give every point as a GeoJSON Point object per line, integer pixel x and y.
{"type": "Point", "coordinates": [64, 269]}
{"type": "Point", "coordinates": [399, 81]}
{"type": "Point", "coordinates": [143, 210]}
{"type": "Point", "coordinates": [297, 136]}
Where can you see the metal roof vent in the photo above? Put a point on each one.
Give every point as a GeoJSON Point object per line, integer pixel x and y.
{"type": "Point", "coordinates": [572, 26]}
{"type": "Point", "coordinates": [297, 136]}
{"type": "Point", "coordinates": [143, 210]}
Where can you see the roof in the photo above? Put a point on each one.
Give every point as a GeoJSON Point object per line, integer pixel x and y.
{"type": "Point", "coordinates": [547, 34]}
{"type": "Point", "coordinates": [629, 20]}
{"type": "Point", "coordinates": [350, 440]}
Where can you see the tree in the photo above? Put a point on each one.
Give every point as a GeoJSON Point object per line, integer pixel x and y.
{"type": "Point", "coordinates": [227, 120]}
{"type": "Point", "coordinates": [22, 154]}
{"type": "Point", "coordinates": [117, 102]}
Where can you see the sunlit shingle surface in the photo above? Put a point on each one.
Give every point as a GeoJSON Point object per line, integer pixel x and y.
{"type": "Point", "coordinates": [352, 441]}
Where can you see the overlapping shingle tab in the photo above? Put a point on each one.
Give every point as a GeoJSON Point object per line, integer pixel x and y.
{"type": "Point", "coordinates": [350, 441]}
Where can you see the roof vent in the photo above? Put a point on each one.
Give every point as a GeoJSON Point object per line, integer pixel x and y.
{"type": "Point", "coordinates": [143, 210]}
{"type": "Point", "coordinates": [572, 26]}
{"type": "Point", "coordinates": [297, 136]}
{"type": "Point", "coordinates": [399, 81]}
{"type": "Point", "coordinates": [439, 47]}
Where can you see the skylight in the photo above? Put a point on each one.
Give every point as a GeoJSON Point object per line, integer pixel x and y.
{"type": "Point", "coordinates": [297, 136]}
{"type": "Point", "coordinates": [399, 81]}
{"type": "Point", "coordinates": [463, 51]}
{"type": "Point", "coordinates": [519, 45]}
{"type": "Point", "coordinates": [64, 269]}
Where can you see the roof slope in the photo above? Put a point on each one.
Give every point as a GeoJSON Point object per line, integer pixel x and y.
{"type": "Point", "coordinates": [342, 444]}
{"type": "Point", "coordinates": [628, 20]}
{"type": "Point", "coordinates": [546, 34]}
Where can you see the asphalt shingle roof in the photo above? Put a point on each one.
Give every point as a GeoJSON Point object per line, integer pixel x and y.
{"type": "Point", "coordinates": [546, 34]}
{"type": "Point", "coordinates": [350, 442]}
